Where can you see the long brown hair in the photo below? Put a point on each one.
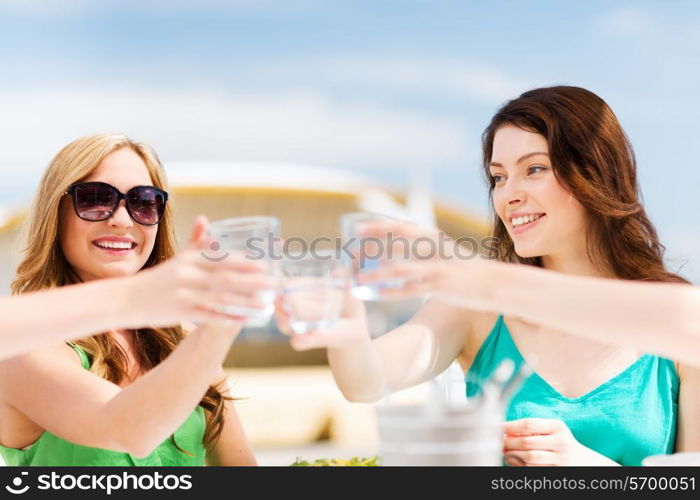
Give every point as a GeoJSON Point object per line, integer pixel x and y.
{"type": "Point", "coordinates": [44, 265]}
{"type": "Point", "coordinates": [594, 160]}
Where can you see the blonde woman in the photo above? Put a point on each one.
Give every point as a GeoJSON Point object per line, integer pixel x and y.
{"type": "Point", "coordinates": [125, 397]}
{"type": "Point", "coordinates": [180, 289]}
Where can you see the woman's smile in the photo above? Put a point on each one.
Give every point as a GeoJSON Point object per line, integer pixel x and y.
{"type": "Point", "coordinates": [115, 245]}
{"type": "Point", "coordinates": [521, 224]}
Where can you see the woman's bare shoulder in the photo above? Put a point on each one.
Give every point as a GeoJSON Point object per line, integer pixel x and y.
{"type": "Point", "coordinates": [16, 429]}
{"type": "Point", "coordinates": [53, 355]}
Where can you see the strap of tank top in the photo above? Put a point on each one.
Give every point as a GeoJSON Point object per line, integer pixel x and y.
{"type": "Point", "coordinates": [84, 359]}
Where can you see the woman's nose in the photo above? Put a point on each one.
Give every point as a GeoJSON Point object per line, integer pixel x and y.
{"type": "Point", "coordinates": [513, 192]}
{"type": "Point", "coordinates": [120, 217]}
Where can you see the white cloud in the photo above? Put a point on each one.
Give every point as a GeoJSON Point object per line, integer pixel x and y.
{"type": "Point", "coordinates": [201, 124]}
{"type": "Point", "coordinates": [627, 22]}
{"type": "Point", "coordinates": [455, 78]}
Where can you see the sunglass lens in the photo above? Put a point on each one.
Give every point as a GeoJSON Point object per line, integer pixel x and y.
{"type": "Point", "coordinates": [95, 202]}
{"type": "Point", "coordinates": [145, 204]}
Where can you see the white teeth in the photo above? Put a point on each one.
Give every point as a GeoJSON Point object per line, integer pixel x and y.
{"type": "Point", "coordinates": [519, 221]}
{"type": "Point", "coordinates": [122, 245]}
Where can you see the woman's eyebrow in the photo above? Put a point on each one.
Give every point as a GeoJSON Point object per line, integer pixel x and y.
{"type": "Point", "coordinates": [521, 159]}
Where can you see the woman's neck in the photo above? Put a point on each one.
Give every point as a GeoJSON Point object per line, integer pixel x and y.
{"type": "Point", "coordinates": [125, 339]}
{"type": "Point", "coordinates": [577, 265]}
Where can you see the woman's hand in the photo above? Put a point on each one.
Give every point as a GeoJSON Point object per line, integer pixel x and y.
{"type": "Point", "coordinates": [349, 329]}
{"type": "Point", "coordinates": [396, 240]}
{"type": "Point", "coordinates": [429, 263]}
{"type": "Point", "coordinates": [542, 441]}
{"type": "Point", "coordinates": [192, 287]}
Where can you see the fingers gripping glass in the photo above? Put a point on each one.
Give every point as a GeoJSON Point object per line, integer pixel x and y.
{"type": "Point", "coordinates": [97, 201]}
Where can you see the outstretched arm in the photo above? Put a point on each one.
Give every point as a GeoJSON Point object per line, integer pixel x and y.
{"type": "Point", "coordinates": [187, 287]}
{"type": "Point", "coordinates": [662, 318]}
{"type": "Point", "coordinates": [52, 389]}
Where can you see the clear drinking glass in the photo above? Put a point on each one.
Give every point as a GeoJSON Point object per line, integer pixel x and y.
{"type": "Point", "coordinates": [255, 238]}
{"type": "Point", "coordinates": [365, 254]}
{"type": "Point", "coordinates": [314, 287]}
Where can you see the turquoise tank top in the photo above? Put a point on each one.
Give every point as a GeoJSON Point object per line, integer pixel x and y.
{"type": "Point", "coordinates": [629, 417]}
{"type": "Point", "coordinates": [51, 450]}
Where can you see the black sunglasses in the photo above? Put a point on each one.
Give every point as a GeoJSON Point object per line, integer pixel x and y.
{"type": "Point", "coordinates": [97, 201]}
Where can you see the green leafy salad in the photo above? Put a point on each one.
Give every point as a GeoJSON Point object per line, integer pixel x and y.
{"type": "Point", "coordinates": [338, 462]}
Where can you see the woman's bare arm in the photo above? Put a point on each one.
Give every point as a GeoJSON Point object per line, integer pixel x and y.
{"type": "Point", "coordinates": [366, 370]}
{"type": "Point", "coordinates": [662, 318]}
{"type": "Point", "coordinates": [186, 287]}
{"type": "Point", "coordinates": [232, 447]}
{"type": "Point", "coordinates": [52, 389]}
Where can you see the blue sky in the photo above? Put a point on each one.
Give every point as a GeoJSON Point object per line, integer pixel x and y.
{"type": "Point", "coordinates": [383, 87]}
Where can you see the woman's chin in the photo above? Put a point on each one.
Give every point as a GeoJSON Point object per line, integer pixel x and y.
{"type": "Point", "coordinates": [114, 270]}
{"type": "Point", "coordinates": [528, 253]}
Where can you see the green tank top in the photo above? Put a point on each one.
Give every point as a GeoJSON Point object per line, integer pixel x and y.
{"type": "Point", "coordinates": [629, 417]}
{"type": "Point", "coordinates": [51, 450]}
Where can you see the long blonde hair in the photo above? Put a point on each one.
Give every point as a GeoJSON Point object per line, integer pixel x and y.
{"type": "Point", "coordinates": [44, 265]}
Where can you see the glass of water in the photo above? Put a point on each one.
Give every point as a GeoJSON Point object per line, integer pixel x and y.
{"type": "Point", "coordinates": [365, 254]}
{"type": "Point", "coordinates": [314, 287]}
{"type": "Point", "coordinates": [255, 238]}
